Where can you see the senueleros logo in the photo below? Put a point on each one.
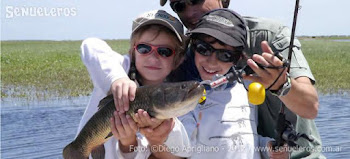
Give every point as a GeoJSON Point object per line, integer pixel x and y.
{"type": "Point", "coordinates": [32, 11]}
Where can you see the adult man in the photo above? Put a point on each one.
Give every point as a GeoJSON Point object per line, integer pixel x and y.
{"type": "Point", "coordinates": [302, 97]}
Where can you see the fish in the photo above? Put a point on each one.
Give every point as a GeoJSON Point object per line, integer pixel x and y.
{"type": "Point", "coordinates": [161, 101]}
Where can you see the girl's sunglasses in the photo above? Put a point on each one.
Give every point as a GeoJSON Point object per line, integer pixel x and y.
{"type": "Point", "coordinates": [223, 55]}
{"type": "Point", "coordinates": [180, 6]}
{"type": "Point", "coordinates": [163, 51]}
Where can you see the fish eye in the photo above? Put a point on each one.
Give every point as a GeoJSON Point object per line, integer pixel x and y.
{"type": "Point", "coordinates": [183, 86]}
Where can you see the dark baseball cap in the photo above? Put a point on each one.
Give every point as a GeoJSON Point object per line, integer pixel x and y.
{"type": "Point", "coordinates": [224, 25]}
{"type": "Point", "coordinates": [225, 3]}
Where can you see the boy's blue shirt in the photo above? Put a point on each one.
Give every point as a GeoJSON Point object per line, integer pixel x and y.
{"type": "Point", "coordinates": [187, 71]}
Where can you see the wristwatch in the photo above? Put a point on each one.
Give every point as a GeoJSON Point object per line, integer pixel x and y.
{"type": "Point", "coordinates": [284, 89]}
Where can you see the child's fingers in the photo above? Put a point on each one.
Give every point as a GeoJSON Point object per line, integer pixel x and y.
{"type": "Point", "coordinates": [125, 124]}
{"type": "Point", "coordinates": [146, 118]}
{"type": "Point", "coordinates": [119, 94]}
{"type": "Point", "coordinates": [147, 132]}
{"type": "Point", "coordinates": [141, 121]}
{"type": "Point", "coordinates": [132, 123]}
{"type": "Point", "coordinates": [132, 91]}
{"type": "Point", "coordinates": [119, 124]}
{"type": "Point", "coordinates": [137, 118]}
{"type": "Point", "coordinates": [125, 97]}
{"type": "Point", "coordinates": [156, 122]}
{"type": "Point", "coordinates": [113, 128]}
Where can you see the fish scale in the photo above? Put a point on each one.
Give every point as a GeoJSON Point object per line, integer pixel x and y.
{"type": "Point", "coordinates": [162, 101]}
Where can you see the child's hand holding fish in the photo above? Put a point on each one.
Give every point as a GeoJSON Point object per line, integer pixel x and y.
{"type": "Point", "coordinates": [124, 129]}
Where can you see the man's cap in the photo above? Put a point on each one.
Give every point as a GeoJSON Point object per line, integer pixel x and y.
{"type": "Point", "coordinates": [224, 25]}
{"type": "Point", "coordinates": [225, 3]}
{"type": "Point", "coordinates": [160, 17]}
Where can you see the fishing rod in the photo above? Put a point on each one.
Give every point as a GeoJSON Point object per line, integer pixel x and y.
{"type": "Point", "coordinates": [285, 132]}
{"type": "Point", "coordinates": [282, 124]}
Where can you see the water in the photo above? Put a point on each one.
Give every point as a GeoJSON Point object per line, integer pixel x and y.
{"type": "Point", "coordinates": [39, 131]}
{"type": "Point", "coordinates": [43, 129]}
{"type": "Point", "coordinates": [333, 122]}
{"type": "Point", "coordinates": [342, 40]}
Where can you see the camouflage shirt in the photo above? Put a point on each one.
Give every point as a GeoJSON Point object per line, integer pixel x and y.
{"type": "Point", "coordinates": [278, 37]}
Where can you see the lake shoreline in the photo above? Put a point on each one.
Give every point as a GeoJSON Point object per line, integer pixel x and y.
{"type": "Point", "coordinates": [83, 100]}
{"type": "Point", "coordinates": [48, 69]}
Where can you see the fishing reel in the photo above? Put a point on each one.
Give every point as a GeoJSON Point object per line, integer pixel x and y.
{"type": "Point", "coordinates": [285, 133]}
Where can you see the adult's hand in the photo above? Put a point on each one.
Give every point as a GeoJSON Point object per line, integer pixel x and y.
{"type": "Point", "coordinates": [302, 99]}
{"type": "Point", "coordinates": [268, 75]}
{"type": "Point", "coordinates": [281, 153]}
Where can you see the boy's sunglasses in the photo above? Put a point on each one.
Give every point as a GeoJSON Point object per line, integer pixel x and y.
{"type": "Point", "coordinates": [163, 51]}
{"type": "Point", "coordinates": [180, 6]}
{"type": "Point", "coordinates": [223, 55]}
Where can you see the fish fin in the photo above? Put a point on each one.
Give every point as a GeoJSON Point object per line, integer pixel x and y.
{"type": "Point", "coordinates": [72, 152]}
{"type": "Point", "coordinates": [106, 100]}
{"type": "Point", "coordinates": [152, 156]}
{"type": "Point", "coordinates": [109, 135]}
{"type": "Point", "coordinates": [98, 152]}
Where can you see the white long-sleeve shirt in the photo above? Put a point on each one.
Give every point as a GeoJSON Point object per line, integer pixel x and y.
{"type": "Point", "coordinates": [227, 128]}
{"type": "Point", "coordinates": [224, 127]}
{"type": "Point", "coordinates": [105, 66]}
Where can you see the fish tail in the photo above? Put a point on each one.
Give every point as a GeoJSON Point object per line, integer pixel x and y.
{"type": "Point", "coordinates": [72, 152]}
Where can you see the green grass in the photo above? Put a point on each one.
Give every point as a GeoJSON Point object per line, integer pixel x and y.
{"type": "Point", "coordinates": [43, 69]}
{"type": "Point", "coordinates": [329, 62]}
{"type": "Point", "coordinates": [324, 37]}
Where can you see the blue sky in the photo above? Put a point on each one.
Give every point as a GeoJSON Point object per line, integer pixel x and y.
{"type": "Point", "coordinates": [112, 19]}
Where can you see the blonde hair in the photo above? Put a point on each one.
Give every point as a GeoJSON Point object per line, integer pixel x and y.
{"type": "Point", "coordinates": [180, 47]}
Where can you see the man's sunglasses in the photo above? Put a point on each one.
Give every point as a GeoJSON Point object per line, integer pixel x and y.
{"type": "Point", "coordinates": [223, 55]}
{"type": "Point", "coordinates": [180, 6]}
{"type": "Point", "coordinates": [163, 51]}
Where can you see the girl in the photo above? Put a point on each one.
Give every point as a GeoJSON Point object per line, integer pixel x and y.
{"type": "Point", "coordinates": [156, 48]}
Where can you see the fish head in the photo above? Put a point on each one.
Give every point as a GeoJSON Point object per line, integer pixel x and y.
{"type": "Point", "coordinates": [176, 99]}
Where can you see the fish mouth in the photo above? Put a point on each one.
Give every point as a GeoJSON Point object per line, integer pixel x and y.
{"type": "Point", "coordinates": [188, 102]}
{"type": "Point", "coordinates": [195, 86]}
{"type": "Point", "coordinates": [196, 89]}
